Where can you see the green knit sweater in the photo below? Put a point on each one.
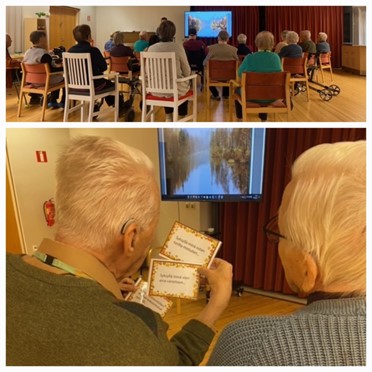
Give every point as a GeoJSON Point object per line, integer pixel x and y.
{"type": "Point", "coordinates": [325, 333]}
{"type": "Point", "coordinates": [62, 320]}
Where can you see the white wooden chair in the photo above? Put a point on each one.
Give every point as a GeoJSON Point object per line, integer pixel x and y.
{"type": "Point", "coordinates": [159, 85]}
{"type": "Point", "coordinates": [79, 82]}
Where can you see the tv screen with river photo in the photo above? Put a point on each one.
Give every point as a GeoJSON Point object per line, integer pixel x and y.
{"type": "Point", "coordinates": [211, 164]}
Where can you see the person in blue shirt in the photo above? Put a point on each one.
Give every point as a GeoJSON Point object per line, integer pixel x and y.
{"type": "Point", "coordinates": [322, 46]}
{"type": "Point", "coordinates": [110, 43]}
{"type": "Point", "coordinates": [292, 49]}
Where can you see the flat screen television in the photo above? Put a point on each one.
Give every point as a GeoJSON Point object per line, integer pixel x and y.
{"type": "Point", "coordinates": [211, 164]}
{"type": "Point", "coordinates": [208, 23]}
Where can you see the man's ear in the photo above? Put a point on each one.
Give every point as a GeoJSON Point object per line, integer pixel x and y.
{"type": "Point", "coordinates": [129, 237]}
{"type": "Point", "coordinates": [300, 268]}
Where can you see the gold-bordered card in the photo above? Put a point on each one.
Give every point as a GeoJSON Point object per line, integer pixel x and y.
{"type": "Point", "coordinates": [158, 304]}
{"type": "Point", "coordinates": [173, 279]}
{"type": "Point", "coordinates": [188, 245]}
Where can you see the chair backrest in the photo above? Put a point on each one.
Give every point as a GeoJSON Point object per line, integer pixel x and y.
{"type": "Point", "coordinates": [35, 74]}
{"type": "Point", "coordinates": [325, 58]}
{"type": "Point", "coordinates": [106, 54]}
{"type": "Point", "coordinates": [158, 73]}
{"type": "Point", "coordinates": [119, 64]}
{"type": "Point", "coordinates": [77, 70]}
{"type": "Point", "coordinates": [295, 65]}
{"type": "Point", "coordinates": [195, 59]}
{"type": "Point", "coordinates": [265, 86]}
{"type": "Point", "coordinates": [222, 70]}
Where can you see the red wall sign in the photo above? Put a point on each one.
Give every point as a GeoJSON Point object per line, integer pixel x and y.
{"type": "Point", "coordinates": [41, 157]}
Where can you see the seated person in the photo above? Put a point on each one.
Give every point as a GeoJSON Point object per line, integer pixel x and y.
{"type": "Point", "coordinates": [281, 43]}
{"type": "Point", "coordinates": [121, 50]}
{"type": "Point", "coordinates": [221, 51]}
{"type": "Point", "coordinates": [66, 298]}
{"type": "Point", "coordinates": [306, 43]}
{"type": "Point", "coordinates": [11, 64]}
{"type": "Point", "coordinates": [154, 38]}
{"type": "Point", "coordinates": [262, 61]}
{"type": "Point", "coordinates": [322, 46]}
{"type": "Point", "coordinates": [109, 43]}
{"type": "Point", "coordinates": [141, 44]}
{"type": "Point", "coordinates": [322, 246]}
{"type": "Point", "coordinates": [194, 44]}
{"type": "Point", "coordinates": [292, 49]}
{"type": "Point", "coordinates": [243, 49]}
{"type": "Point", "coordinates": [166, 32]}
{"type": "Point", "coordinates": [82, 35]}
{"type": "Point", "coordinates": [38, 53]}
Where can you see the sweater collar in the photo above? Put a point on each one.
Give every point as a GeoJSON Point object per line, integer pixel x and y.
{"type": "Point", "coordinates": [84, 262]}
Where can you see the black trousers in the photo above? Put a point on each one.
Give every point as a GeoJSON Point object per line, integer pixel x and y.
{"type": "Point", "coordinates": [225, 91]}
{"type": "Point", "coordinates": [182, 109]}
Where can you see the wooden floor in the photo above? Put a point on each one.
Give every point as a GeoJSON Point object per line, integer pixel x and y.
{"type": "Point", "coordinates": [348, 106]}
{"type": "Point", "coordinates": [240, 307]}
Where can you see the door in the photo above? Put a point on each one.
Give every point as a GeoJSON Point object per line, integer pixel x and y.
{"type": "Point", "coordinates": [63, 19]}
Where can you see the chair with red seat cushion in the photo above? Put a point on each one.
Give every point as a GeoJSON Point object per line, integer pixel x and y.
{"type": "Point", "coordinates": [160, 85]}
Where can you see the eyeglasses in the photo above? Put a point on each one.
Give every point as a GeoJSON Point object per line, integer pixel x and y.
{"type": "Point", "coordinates": [125, 226]}
{"type": "Point", "coordinates": [271, 230]}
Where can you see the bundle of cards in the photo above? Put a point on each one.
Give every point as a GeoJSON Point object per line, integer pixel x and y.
{"type": "Point", "coordinates": [158, 304]}
{"type": "Point", "coordinates": [185, 251]}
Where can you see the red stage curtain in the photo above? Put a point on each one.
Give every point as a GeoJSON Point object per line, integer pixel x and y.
{"type": "Point", "coordinates": [255, 260]}
{"type": "Point", "coordinates": [328, 19]}
{"type": "Point", "coordinates": [245, 20]}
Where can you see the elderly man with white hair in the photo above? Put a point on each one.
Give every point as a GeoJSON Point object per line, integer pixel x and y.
{"type": "Point", "coordinates": [321, 231]}
{"type": "Point", "coordinates": [64, 303]}
{"type": "Point", "coordinates": [306, 43]}
{"type": "Point", "coordinates": [243, 49]}
{"type": "Point", "coordinates": [142, 43]}
{"type": "Point", "coordinates": [292, 49]}
{"type": "Point", "coordinates": [322, 46]}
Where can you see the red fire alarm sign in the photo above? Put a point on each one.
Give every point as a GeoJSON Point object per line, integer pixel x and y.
{"type": "Point", "coordinates": [41, 157]}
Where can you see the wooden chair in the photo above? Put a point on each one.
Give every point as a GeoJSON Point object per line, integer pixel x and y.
{"type": "Point", "coordinates": [106, 54]}
{"type": "Point", "coordinates": [325, 64]}
{"type": "Point", "coordinates": [297, 67]}
{"type": "Point", "coordinates": [79, 81]}
{"type": "Point", "coordinates": [36, 79]}
{"type": "Point", "coordinates": [160, 85]}
{"type": "Point", "coordinates": [219, 74]}
{"type": "Point", "coordinates": [195, 59]}
{"type": "Point", "coordinates": [259, 86]}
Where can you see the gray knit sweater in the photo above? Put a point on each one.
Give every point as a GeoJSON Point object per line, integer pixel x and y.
{"type": "Point", "coordinates": [325, 333]}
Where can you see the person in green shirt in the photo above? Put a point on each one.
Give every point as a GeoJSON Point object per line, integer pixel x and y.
{"type": "Point", "coordinates": [262, 61]}
{"type": "Point", "coordinates": [142, 43]}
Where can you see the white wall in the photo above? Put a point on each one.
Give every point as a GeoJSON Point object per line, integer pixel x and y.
{"type": "Point", "coordinates": [34, 182]}
{"type": "Point", "coordinates": [103, 20]}
{"type": "Point", "coordinates": [136, 18]}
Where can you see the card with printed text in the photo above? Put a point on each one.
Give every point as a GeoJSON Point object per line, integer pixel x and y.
{"type": "Point", "coordinates": [169, 278]}
{"type": "Point", "coordinates": [158, 304]}
{"type": "Point", "coordinates": [188, 245]}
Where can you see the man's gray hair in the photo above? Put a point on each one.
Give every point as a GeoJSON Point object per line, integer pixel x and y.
{"type": "Point", "coordinates": [292, 37]}
{"type": "Point", "coordinates": [101, 184]}
{"type": "Point", "coordinates": [242, 39]}
{"type": "Point", "coordinates": [326, 211]}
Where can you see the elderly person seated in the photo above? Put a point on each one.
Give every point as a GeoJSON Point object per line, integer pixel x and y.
{"type": "Point", "coordinates": [322, 246]}
{"type": "Point", "coordinates": [322, 46]}
{"type": "Point", "coordinates": [292, 49]}
{"type": "Point", "coordinates": [109, 44]}
{"type": "Point", "coordinates": [281, 43]}
{"type": "Point", "coordinates": [221, 51]}
{"type": "Point", "coordinates": [307, 45]}
{"type": "Point", "coordinates": [142, 43]}
{"type": "Point", "coordinates": [243, 49]}
{"type": "Point", "coordinates": [64, 302]}
{"type": "Point", "coordinates": [262, 61]}
{"type": "Point", "coordinates": [167, 32]}
{"type": "Point", "coordinates": [121, 50]}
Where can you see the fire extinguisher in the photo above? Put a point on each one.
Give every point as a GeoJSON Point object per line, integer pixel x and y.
{"type": "Point", "coordinates": [49, 212]}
